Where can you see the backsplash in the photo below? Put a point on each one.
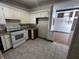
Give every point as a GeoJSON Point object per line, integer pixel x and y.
{"type": "Point", "coordinates": [28, 25]}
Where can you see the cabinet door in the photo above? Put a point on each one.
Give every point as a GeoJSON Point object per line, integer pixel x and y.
{"type": "Point", "coordinates": [2, 18]}
{"type": "Point", "coordinates": [1, 13]}
{"type": "Point", "coordinates": [3, 42]}
{"type": "Point", "coordinates": [9, 13]}
{"type": "Point", "coordinates": [26, 34]}
{"type": "Point", "coordinates": [8, 42]}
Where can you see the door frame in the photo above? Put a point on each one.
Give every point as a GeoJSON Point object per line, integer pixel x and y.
{"type": "Point", "coordinates": [37, 20]}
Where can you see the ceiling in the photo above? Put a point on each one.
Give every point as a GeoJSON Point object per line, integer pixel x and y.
{"type": "Point", "coordinates": [29, 4]}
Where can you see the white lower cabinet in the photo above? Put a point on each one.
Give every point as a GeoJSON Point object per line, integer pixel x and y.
{"type": "Point", "coordinates": [6, 41]}
{"type": "Point", "coordinates": [26, 34]}
{"type": "Point", "coordinates": [3, 42]}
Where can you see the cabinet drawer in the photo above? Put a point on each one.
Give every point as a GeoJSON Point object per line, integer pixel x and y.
{"type": "Point", "coordinates": [3, 42]}
{"type": "Point", "coordinates": [8, 43]}
{"type": "Point", "coordinates": [26, 34]}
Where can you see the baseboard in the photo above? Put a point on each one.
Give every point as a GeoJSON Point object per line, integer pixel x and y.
{"type": "Point", "coordinates": [46, 39]}
{"type": "Point", "coordinates": [7, 50]}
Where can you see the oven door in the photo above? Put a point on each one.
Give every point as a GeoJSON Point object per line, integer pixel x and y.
{"type": "Point", "coordinates": [17, 36]}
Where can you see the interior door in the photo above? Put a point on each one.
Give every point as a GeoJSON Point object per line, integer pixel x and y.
{"type": "Point", "coordinates": [43, 28]}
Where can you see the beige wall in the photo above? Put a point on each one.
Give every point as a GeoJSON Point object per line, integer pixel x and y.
{"type": "Point", "coordinates": [37, 15]}
{"type": "Point", "coordinates": [41, 11]}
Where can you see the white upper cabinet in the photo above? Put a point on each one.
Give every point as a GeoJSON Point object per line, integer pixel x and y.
{"type": "Point", "coordinates": [17, 14]}
{"type": "Point", "coordinates": [11, 13]}
{"type": "Point", "coordinates": [2, 17]}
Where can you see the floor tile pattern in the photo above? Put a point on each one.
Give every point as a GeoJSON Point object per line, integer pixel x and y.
{"type": "Point", "coordinates": [38, 49]}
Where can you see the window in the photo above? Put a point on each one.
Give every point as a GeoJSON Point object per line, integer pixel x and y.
{"type": "Point", "coordinates": [77, 13]}
{"type": "Point", "coordinates": [60, 15]}
{"type": "Point", "coordinates": [71, 13]}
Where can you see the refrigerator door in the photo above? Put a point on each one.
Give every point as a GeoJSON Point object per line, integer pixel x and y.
{"type": "Point", "coordinates": [63, 22]}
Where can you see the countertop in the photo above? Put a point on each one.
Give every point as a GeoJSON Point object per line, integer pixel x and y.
{"type": "Point", "coordinates": [1, 56]}
{"type": "Point", "coordinates": [28, 26]}
{"type": "Point", "coordinates": [4, 33]}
